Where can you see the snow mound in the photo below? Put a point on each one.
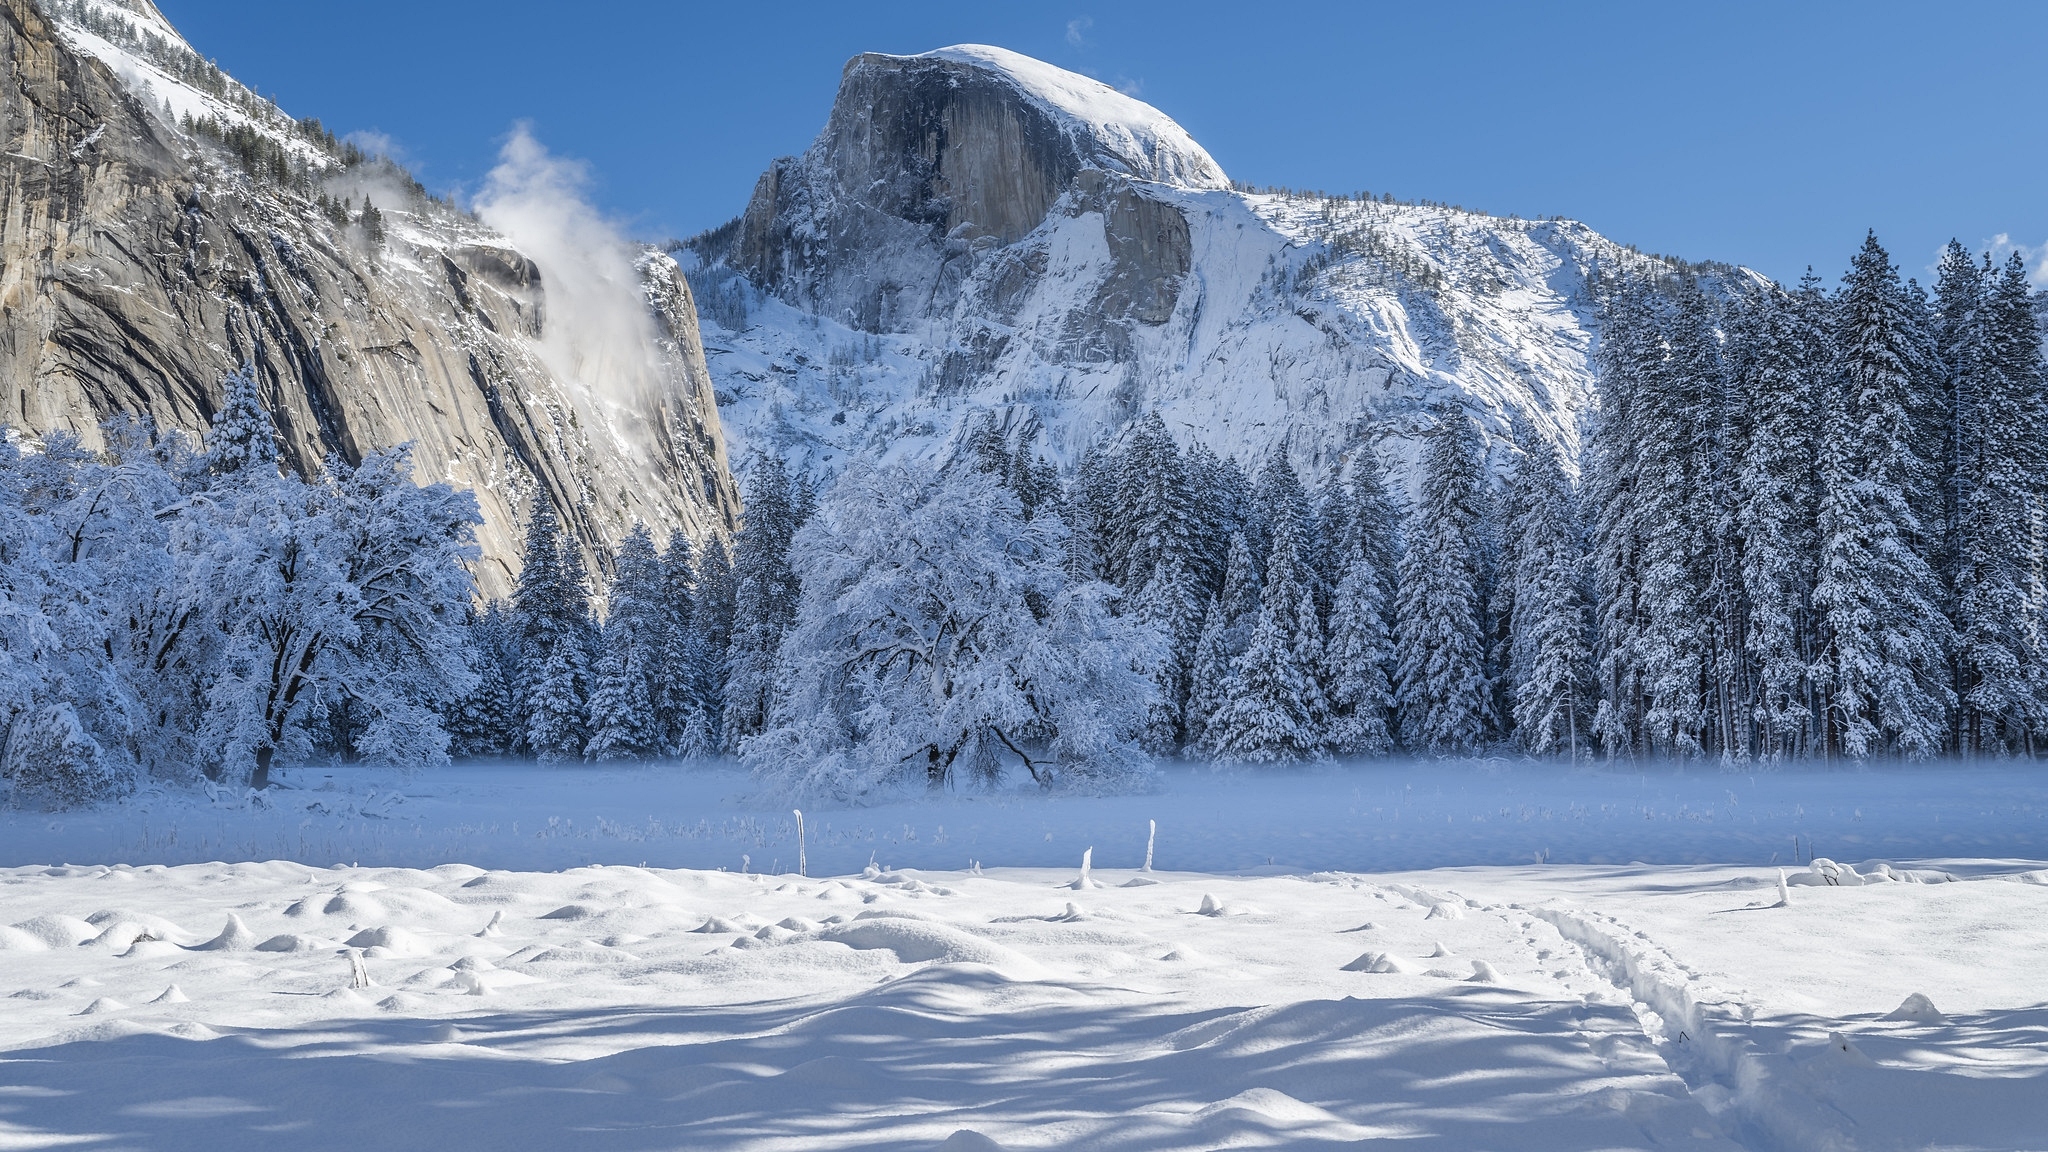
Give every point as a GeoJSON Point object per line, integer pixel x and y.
{"type": "Point", "coordinates": [16, 940]}
{"type": "Point", "coordinates": [968, 1140]}
{"type": "Point", "coordinates": [1385, 963]}
{"type": "Point", "coordinates": [1918, 1009]}
{"type": "Point", "coordinates": [1266, 1105]}
{"type": "Point", "coordinates": [54, 931]}
{"type": "Point", "coordinates": [293, 942]}
{"type": "Point", "coordinates": [172, 995]}
{"type": "Point", "coordinates": [394, 940]}
{"type": "Point", "coordinates": [923, 942]}
{"type": "Point", "coordinates": [1483, 973]}
{"type": "Point", "coordinates": [234, 937]}
{"type": "Point", "coordinates": [1445, 911]}
{"type": "Point", "coordinates": [102, 1006]}
{"type": "Point", "coordinates": [1127, 134]}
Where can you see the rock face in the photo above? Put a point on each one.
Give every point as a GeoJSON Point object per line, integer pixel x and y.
{"type": "Point", "coordinates": [142, 263]}
{"type": "Point", "coordinates": [974, 229]}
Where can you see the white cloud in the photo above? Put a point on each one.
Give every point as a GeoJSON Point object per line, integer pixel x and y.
{"type": "Point", "coordinates": [1077, 31]}
{"type": "Point", "coordinates": [2003, 246]}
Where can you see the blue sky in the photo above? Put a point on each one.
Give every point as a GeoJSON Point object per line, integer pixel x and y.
{"type": "Point", "coordinates": [1770, 134]}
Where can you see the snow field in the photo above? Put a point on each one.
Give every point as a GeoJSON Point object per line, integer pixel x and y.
{"type": "Point", "coordinates": [1535, 1007]}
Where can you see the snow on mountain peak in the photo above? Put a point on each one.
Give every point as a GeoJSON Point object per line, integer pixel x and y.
{"type": "Point", "coordinates": [1130, 134]}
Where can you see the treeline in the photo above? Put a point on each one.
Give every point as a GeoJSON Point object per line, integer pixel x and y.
{"type": "Point", "coordinates": [1810, 524]}
{"type": "Point", "coordinates": [1816, 519]}
{"type": "Point", "coordinates": [167, 612]}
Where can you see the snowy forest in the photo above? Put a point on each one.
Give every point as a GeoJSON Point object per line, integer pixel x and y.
{"type": "Point", "coordinates": [1803, 524]}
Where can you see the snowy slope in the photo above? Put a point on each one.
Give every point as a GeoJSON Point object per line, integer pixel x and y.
{"type": "Point", "coordinates": [846, 319]}
{"type": "Point", "coordinates": [134, 40]}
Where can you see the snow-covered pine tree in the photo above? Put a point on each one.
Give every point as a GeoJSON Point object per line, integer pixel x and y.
{"type": "Point", "coordinates": [1631, 350]}
{"type": "Point", "coordinates": [685, 677]}
{"type": "Point", "coordinates": [556, 701]}
{"type": "Point", "coordinates": [552, 601]}
{"type": "Point", "coordinates": [1153, 507]}
{"type": "Point", "coordinates": [1498, 513]}
{"type": "Point", "coordinates": [1173, 609]}
{"type": "Point", "coordinates": [1280, 505]}
{"type": "Point", "coordinates": [1441, 680]}
{"type": "Point", "coordinates": [1218, 496]}
{"type": "Point", "coordinates": [241, 438]}
{"type": "Point", "coordinates": [1208, 679]}
{"type": "Point", "coordinates": [1278, 711]}
{"type": "Point", "coordinates": [1677, 473]}
{"type": "Point", "coordinates": [485, 722]}
{"type": "Point", "coordinates": [1776, 490]}
{"type": "Point", "coordinates": [624, 721]}
{"type": "Point", "coordinates": [1090, 511]}
{"type": "Point", "coordinates": [1552, 667]}
{"type": "Point", "coordinates": [1885, 665]}
{"type": "Point", "coordinates": [2000, 677]}
{"type": "Point", "coordinates": [1226, 631]}
{"type": "Point", "coordinates": [764, 597]}
{"type": "Point", "coordinates": [1375, 524]}
{"type": "Point", "coordinates": [1356, 661]}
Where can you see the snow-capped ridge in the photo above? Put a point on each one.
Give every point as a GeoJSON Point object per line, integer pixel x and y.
{"type": "Point", "coordinates": [1133, 136]}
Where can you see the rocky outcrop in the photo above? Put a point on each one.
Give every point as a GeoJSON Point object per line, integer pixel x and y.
{"type": "Point", "coordinates": [927, 160]}
{"type": "Point", "coordinates": [141, 264]}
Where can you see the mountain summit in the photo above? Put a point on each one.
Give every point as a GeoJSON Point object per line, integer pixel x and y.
{"type": "Point", "coordinates": [977, 229]}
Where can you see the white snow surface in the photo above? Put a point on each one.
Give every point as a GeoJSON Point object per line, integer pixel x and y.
{"type": "Point", "coordinates": [1006, 999]}
{"type": "Point", "coordinates": [623, 1007]}
{"type": "Point", "coordinates": [1144, 141]}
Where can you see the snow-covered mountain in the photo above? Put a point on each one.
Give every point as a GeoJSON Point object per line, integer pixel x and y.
{"type": "Point", "coordinates": [977, 229]}
{"type": "Point", "coordinates": [163, 223]}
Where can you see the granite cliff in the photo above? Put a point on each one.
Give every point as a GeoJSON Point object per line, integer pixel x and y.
{"type": "Point", "coordinates": [160, 225]}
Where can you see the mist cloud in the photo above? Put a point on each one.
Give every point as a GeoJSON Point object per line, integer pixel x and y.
{"type": "Point", "coordinates": [597, 331]}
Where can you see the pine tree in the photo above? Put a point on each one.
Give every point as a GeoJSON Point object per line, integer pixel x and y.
{"type": "Point", "coordinates": [1226, 632]}
{"type": "Point", "coordinates": [1169, 604]}
{"type": "Point", "coordinates": [1777, 490]}
{"type": "Point", "coordinates": [1630, 352]}
{"type": "Point", "coordinates": [1280, 506]}
{"type": "Point", "coordinates": [1552, 667]}
{"type": "Point", "coordinates": [242, 440]}
{"type": "Point", "coordinates": [1441, 676]}
{"type": "Point", "coordinates": [685, 679]}
{"type": "Point", "coordinates": [484, 723]}
{"type": "Point", "coordinates": [553, 605]}
{"type": "Point", "coordinates": [1679, 473]}
{"type": "Point", "coordinates": [557, 702]}
{"type": "Point", "coordinates": [624, 722]}
{"type": "Point", "coordinates": [1219, 494]}
{"type": "Point", "coordinates": [1885, 665]}
{"type": "Point", "coordinates": [1154, 509]}
{"type": "Point", "coordinates": [1209, 686]}
{"type": "Point", "coordinates": [1278, 711]}
{"type": "Point", "coordinates": [764, 596]}
{"type": "Point", "coordinates": [1999, 474]}
{"type": "Point", "coordinates": [1360, 651]}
